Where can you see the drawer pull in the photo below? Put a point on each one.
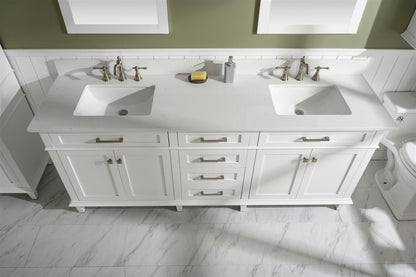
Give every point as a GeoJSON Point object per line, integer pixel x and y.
{"type": "Point", "coordinates": [109, 161]}
{"type": "Point", "coordinates": [305, 160]}
{"type": "Point", "coordinates": [305, 139]}
{"type": "Point", "coordinates": [220, 160]}
{"type": "Point", "coordinates": [221, 177]}
{"type": "Point", "coordinates": [212, 194]}
{"type": "Point", "coordinates": [314, 160]}
{"type": "Point", "coordinates": [119, 140]}
{"type": "Point", "coordinates": [119, 161]}
{"type": "Point", "coordinates": [203, 140]}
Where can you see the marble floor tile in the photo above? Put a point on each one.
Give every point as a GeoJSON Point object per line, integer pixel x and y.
{"type": "Point", "coordinates": [216, 270]}
{"type": "Point", "coordinates": [34, 272]}
{"type": "Point", "coordinates": [15, 245]}
{"type": "Point", "coordinates": [97, 272]}
{"type": "Point", "coordinates": [78, 245]}
{"type": "Point", "coordinates": [146, 271]}
{"type": "Point", "coordinates": [296, 214]}
{"type": "Point", "coordinates": [15, 208]}
{"type": "Point", "coordinates": [313, 270]}
{"type": "Point", "coordinates": [369, 206]}
{"type": "Point", "coordinates": [402, 270]}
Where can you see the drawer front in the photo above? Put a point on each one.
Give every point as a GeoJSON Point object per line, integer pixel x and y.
{"type": "Point", "coordinates": [215, 139]}
{"type": "Point", "coordinates": [213, 158]}
{"type": "Point", "coordinates": [110, 140]}
{"type": "Point", "coordinates": [316, 139]}
{"type": "Point", "coordinates": [211, 194]}
{"type": "Point", "coordinates": [215, 178]}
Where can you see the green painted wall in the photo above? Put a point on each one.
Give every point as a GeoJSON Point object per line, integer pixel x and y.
{"type": "Point", "coordinates": [200, 24]}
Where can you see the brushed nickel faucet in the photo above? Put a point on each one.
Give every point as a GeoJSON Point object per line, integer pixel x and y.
{"type": "Point", "coordinates": [302, 65]}
{"type": "Point", "coordinates": [285, 74]}
{"type": "Point", "coordinates": [316, 76]}
{"type": "Point", "coordinates": [119, 67]}
{"type": "Point", "coordinates": [106, 77]}
{"type": "Point", "coordinates": [138, 76]}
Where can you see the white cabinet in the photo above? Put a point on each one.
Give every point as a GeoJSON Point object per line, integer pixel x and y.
{"type": "Point", "coordinates": [146, 174]}
{"type": "Point", "coordinates": [330, 172]}
{"type": "Point", "coordinates": [191, 169]}
{"type": "Point", "coordinates": [93, 174]}
{"type": "Point", "coordinates": [304, 174]}
{"type": "Point", "coordinates": [278, 173]}
{"type": "Point", "coordinates": [102, 175]}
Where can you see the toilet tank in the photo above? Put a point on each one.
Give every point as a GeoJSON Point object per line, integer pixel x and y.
{"type": "Point", "coordinates": [402, 108]}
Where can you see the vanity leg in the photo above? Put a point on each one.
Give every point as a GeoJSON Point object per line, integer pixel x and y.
{"type": "Point", "coordinates": [179, 208]}
{"type": "Point", "coordinates": [34, 195]}
{"type": "Point", "coordinates": [243, 208]}
{"type": "Point", "coordinates": [333, 207]}
{"type": "Point", "coordinates": [80, 209]}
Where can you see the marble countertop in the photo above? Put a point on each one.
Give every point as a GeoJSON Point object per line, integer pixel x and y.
{"type": "Point", "coordinates": [245, 105]}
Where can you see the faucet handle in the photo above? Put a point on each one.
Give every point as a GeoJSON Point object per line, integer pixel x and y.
{"type": "Point", "coordinates": [138, 77]}
{"type": "Point", "coordinates": [316, 76]}
{"type": "Point", "coordinates": [106, 77]}
{"type": "Point", "coordinates": [285, 75]}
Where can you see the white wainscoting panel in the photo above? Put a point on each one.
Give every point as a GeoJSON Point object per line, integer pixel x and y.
{"type": "Point", "coordinates": [391, 70]}
{"type": "Point", "coordinates": [385, 70]}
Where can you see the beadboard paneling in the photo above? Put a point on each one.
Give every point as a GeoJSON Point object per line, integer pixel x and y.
{"type": "Point", "coordinates": [391, 70]}
{"type": "Point", "coordinates": [385, 70]}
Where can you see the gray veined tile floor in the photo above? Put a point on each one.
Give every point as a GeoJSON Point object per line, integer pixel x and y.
{"type": "Point", "coordinates": [45, 238]}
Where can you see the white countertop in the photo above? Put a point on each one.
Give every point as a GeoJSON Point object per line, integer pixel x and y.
{"type": "Point", "coordinates": [245, 105]}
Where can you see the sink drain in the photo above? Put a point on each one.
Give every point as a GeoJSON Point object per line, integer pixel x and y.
{"type": "Point", "coordinates": [123, 112]}
{"type": "Point", "coordinates": [299, 112]}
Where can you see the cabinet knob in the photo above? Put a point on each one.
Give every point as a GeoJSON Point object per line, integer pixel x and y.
{"type": "Point", "coordinates": [119, 161]}
{"type": "Point", "coordinates": [314, 160]}
{"type": "Point", "coordinates": [305, 160]}
{"type": "Point", "coordinates": [110, 161]}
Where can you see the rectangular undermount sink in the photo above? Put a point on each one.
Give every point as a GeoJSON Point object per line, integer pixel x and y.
{"type": "Point", "coordinates": [308, 100]}
{"type": "Point", "coordinates": [115, 100]}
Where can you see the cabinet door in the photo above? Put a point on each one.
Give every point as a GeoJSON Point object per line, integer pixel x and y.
{"type": "Point", "coordinates": [146, 174]}
{"type": "Point", "coordinates": [94, 174]}
{"type": "Point", "coordinates": [278, 173]}
{"type": "Point", "coordinates": [330, 172]}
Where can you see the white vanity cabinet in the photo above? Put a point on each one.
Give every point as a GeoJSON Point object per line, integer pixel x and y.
{"type": "Point", "coordinates": [330, 172]}
{"type": "Point", "coordinates": [278, 173]}
{"type": "Point", "coordinates": [107, 175]}
{"type": "Point", "coordinates": [189, 169]}
{"type": "Point", "coordinates": [93, 173]}
{"type": "Point", "coordinates": [305, 173]}
{"type": "Point", "coordinates": [146, 174]}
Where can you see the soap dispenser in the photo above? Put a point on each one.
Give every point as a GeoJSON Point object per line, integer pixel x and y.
{"type": "Point", "coordinates": [229, 70]}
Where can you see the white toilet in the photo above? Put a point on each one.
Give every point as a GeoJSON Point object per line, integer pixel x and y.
{"type": "Point", "coordinates": [397, 181]}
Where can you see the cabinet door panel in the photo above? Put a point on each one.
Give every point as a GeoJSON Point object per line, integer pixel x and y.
{"type": "Point", "coordinates": [146, 174]}
{"type": "Point", "coordinates": [330, 172]}
{"type": "Point", "coordinates": [278, 173]}
{"type": "Point", "coordinates": [92, 176]}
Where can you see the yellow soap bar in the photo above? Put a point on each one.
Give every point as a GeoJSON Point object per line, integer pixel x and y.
{"type": "Point", "coordinates": [199, 76]}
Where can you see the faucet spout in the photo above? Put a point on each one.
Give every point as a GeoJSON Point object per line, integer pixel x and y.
{"type": "Point", "coordinates": [302, 65]}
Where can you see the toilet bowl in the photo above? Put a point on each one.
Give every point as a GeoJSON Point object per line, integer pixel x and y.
{"type": "Point", "coordinates": [397, 181]}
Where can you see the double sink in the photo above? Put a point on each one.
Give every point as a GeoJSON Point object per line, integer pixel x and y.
{"type": "Point", "coordinates": [125, 100]}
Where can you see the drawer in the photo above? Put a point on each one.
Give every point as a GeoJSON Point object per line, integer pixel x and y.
{"type": "Point", "coordinates": [217, 139]}
{"type": "Point", "coordinates": [215, 178]}
{"type": "Point", "coordinates": [316, 139]}
{"type": "Point", "coordinates": [213, 158]}
{"type": "Point", "coordinates": [211, 194]}
{"type": "Point", "coordinates": [110, 140]}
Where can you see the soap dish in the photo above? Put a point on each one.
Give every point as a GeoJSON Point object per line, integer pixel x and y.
{"type": "Point", "coordinates": [197, 81]}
